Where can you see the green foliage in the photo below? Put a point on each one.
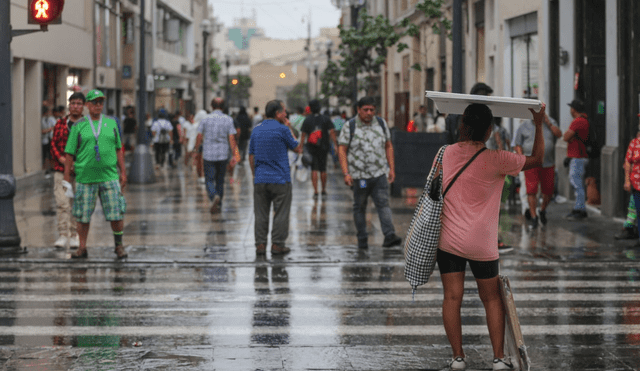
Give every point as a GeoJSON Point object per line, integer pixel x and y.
{"type": "Point", "coordinates": [240, 91]}
{"type": "Point", "coordinates": [335, 84]}
{"type": "Point", "coordinates": [364, 49]}
{"type": "Point", "coordinates": [432, 9]}
{"type": "Point", "coordinates": [214, 70]}
{"type": "Point", "coordinates": [298, 97]}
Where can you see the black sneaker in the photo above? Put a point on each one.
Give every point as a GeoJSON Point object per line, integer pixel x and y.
{"type": "Point", "coordinates": [502, 248]}
{"type": "Point", "coordinates": [527, 214]}
{"type": "Point", "coordinates": [577, 215]}
{"type": "Point", "coordinates": [627, 234]}
{"type": "Point", "coordinates": [391, 240]}
{"type": "Point", "coordinates": [363, 243]}
{"type": "Point", "coordinates": [543, 217]}
{"type": "Point", "coordinates": [533, 222]}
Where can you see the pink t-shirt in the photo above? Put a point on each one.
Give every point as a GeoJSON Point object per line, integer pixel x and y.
{"type": "Point", "coordinates": [472, 206]}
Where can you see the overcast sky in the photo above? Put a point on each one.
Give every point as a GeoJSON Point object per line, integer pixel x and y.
{"type": "Point", "coordinates": [280, 19]}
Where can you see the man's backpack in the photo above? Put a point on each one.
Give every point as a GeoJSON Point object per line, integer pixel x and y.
{"type": "Point", "coordinates": [591, 143]}
{"type": "Point", "coordinates": [352, 127]}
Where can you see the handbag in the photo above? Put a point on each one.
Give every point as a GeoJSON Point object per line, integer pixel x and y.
{"type": "Point", "coordinates": [302, 172]}
{"type": "Point", "coordinates": [423, 236]}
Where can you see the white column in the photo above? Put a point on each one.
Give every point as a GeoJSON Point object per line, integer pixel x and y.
{"type": "Point", "coordinates": [612, 103]}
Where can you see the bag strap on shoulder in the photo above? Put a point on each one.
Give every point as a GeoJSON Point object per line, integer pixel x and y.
{"type": "Point", "coordinates": [461, 170]}
{"type": "Point", "coordinates": [352, 127]}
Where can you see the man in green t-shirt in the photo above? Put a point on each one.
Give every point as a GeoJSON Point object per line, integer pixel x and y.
{"type": "Point", "coordinates": [95, 149]}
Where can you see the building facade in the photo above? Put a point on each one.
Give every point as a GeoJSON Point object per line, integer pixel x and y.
{"type": "Point", "coordinates": [46, 68]}
{"type": "Point", "coordinates": [97, 45]}
{"type": "Point", "coordinates": [551, 50]}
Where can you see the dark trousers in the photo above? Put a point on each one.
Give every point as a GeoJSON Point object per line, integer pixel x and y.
{"type": "Point", "coordinates": [214, 172]}
{"type": "Point", "coordinates": [263, 196]}
{"type": "Point", "coordinates": [160, 150]}
{"type": "Point", "coordinates": [378, 189]}
{"type": "Point", "coordinates": [242, 146]}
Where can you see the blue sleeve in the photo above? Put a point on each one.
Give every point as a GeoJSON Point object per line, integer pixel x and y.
{"type": "Point", "coordinates": [251, 144]}
{"type": "Point", "coordinates": [292, 143]}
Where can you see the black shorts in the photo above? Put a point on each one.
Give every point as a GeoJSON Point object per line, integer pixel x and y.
{"type": "Point", "coordinates": [46, 152]}
{"type": "Point", "coordinates": [319, 159]}
{"type": "Point", "coordinates": [449, 263]}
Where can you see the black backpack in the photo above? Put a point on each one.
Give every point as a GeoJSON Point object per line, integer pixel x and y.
{"type": "Point", "coordinates": [591, 143]}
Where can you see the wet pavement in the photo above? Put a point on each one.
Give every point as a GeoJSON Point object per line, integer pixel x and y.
{"type": "Point", "coordinates": [192, 295]}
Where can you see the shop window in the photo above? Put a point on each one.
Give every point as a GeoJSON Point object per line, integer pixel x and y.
{"type": "Point", "coordinates": [74, 82]}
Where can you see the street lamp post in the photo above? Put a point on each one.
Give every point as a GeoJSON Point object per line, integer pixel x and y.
{"type": "Point", "coordinates": [226, 88]}
{"type": "Point", "coordinates": [315, 73]}
{"type": "Point", "coordinates": [205, 26]}
{"type": "Point", "coordinates": [9, 236]}
{"type": "Point", "coordinates": [142, 164]}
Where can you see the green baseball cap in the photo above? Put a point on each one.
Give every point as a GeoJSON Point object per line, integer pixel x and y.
{"type": "Point", "coordinates": [94, 94]}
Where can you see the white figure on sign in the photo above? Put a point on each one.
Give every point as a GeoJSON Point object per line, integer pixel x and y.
{"type": "Point", "coordinates": [42, 6]}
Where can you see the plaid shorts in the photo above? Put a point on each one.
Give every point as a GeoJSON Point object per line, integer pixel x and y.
{"type": "Point", "coordinates": [111, 198]}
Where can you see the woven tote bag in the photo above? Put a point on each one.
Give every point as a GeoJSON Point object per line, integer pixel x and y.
{"type": "Point", "coordinates": [423, 236]}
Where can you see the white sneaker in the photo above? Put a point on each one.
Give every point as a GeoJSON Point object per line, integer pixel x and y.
{"type": "Point", "coordinates": [201, 180]}
{"type": "Point", "coordinates": [74, 242]}
{"type": "Point", "coordinates": [502, 364]}
{"type": "Point", "coordinates": [61, 242]}
{"type": "Point", "coordinates": [458, 363]}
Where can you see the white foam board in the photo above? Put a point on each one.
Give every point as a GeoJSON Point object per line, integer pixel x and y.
{"type": "Point", "coordinates": [500, 106]}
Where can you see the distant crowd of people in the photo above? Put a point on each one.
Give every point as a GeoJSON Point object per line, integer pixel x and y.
{"type": "Point", "coordinates": [87, 152]}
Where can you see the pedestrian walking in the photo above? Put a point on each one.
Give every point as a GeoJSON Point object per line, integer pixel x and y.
{"type": "Point", "coordinates": [438, 124]}
{"type": "Point", "coordinates": [176, 138]}
{"type": "Point", "coordinates": [320, 133]}
{"type": "Point", "coordinates": [197, 151]}
{"type": "Point", "coordinates": [161, 131]}
{"type": "Point", "coordinates": [367, 162]}
{"type": "Point", "coordinates": [272, 177]}
{"type": "Point", "coordinates": [130, 129]}
{"type": "Point", "coordinates": [422, 119]}
{"type": "Point", "coordinates": [256, 119]}
{"type": "Point", "coordinates": [542, 177]}
{"type": "Point", "coordinates": [244, 122]}
{"type": "Point", "coordinates": [630, 227]}
{"type": "Point", "coordinates": [469, 229]}
{"type": "Point", "coordinates": [67, 224]}
{"type": "Point", "coordinates": [96, 145]}
{"type": "Point", "coordinates": [632, 181]}
{"type": "Point", "coordinates": [575, 136]}
{"type": "Point", "coordinates": [47, 123]}
{"type": "Point", "coordinates": [217, 134]}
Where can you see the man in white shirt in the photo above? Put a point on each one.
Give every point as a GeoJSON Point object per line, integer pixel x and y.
{"type": "Point", "coordinates": [161, 131]}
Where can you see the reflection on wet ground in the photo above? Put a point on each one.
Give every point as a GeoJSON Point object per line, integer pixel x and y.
{"type": "Point", "coordinates": [193, 295]}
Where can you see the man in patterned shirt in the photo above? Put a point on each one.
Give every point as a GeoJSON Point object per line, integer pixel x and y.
{"type": "Point", "coordinates": [217, 134]}
{"type": "Point", "coordinates": [366, 155]}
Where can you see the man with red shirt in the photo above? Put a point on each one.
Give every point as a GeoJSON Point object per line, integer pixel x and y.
{"type": "Point", "coordinates": [66, 222]}
{"type": "Point", "coordinates": [575, 136]}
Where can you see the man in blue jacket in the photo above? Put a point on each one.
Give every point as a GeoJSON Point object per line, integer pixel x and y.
{"type": "Point", "coordinates": [269, 162]}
